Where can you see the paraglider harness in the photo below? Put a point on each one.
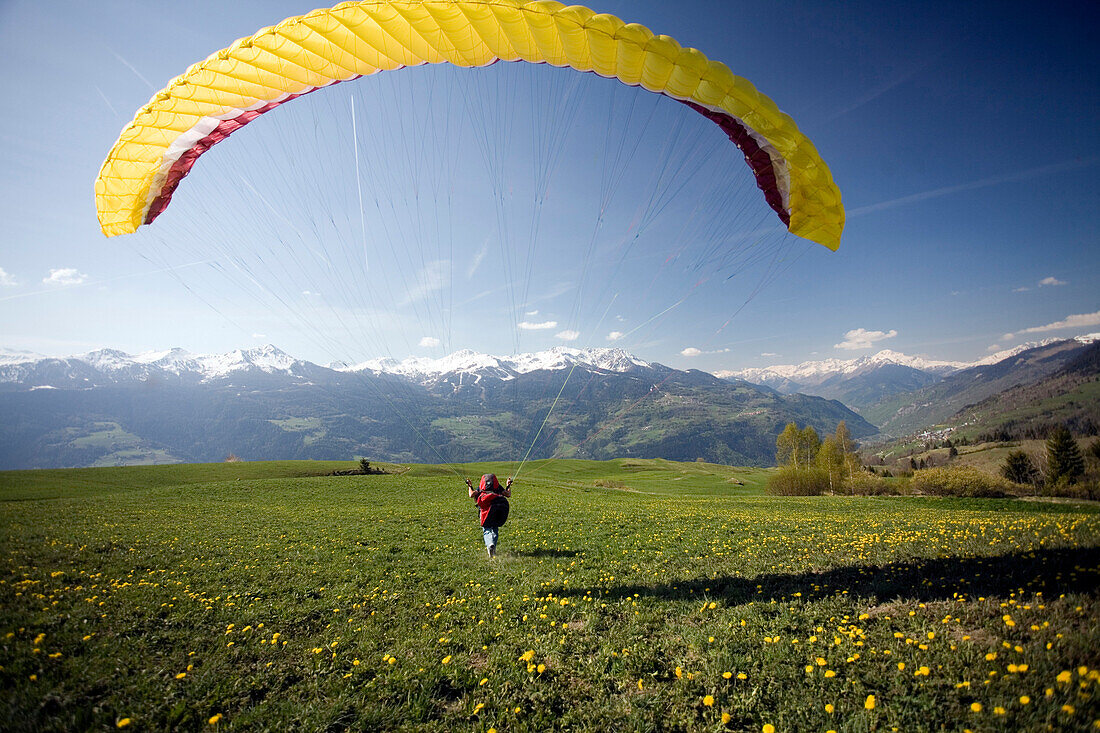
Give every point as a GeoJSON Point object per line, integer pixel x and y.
{"type": "Point", "coordinates": [491, 500]}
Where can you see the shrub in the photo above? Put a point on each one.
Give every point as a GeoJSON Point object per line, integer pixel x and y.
{"type": "Point", "coordinates": [795, 481]}
{"type": "Point", "coordinates": [960, 481]}
{"type": "Point", "coordinates": [870, 485]}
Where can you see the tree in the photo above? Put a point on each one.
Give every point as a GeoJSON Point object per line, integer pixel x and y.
{"type": "Point", "coordinates": [1064, 460]}
{"type": "Point", "coordinates": [786, 445]}
{"type": "Point", "coordinates": [1019, 468]}
{"type": "Point", "coordinates": [364, 465]}
{"type": "Point", "coordinates": [808, 445]}
{"type": "Point", "coordinates": [953, 453]}
{"type": "Point", "coordinates": [1093, 451]}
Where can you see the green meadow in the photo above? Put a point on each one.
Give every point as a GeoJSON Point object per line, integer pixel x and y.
{"type": "Point", "coordinates": [628, 595]}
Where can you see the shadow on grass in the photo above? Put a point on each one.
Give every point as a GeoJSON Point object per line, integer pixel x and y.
{"type": "Point", "coordinates": [1051, 572]}
{"type": "Point", "coordinates": [544, 552]}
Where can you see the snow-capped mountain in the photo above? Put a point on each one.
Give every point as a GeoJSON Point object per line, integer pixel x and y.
{"type": "Point", "coordinates": [866, 380]}
{"type": "Point", "coordinates": [110, 407]}
{"type": "Point", "coordinates": [105, 366]}
{"type": "Point", "coordinates": [815, 372]}
{"type": "Point", "coordinates": [466, 362]}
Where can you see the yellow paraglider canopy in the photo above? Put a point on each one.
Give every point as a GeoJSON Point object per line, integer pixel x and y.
{"type": "Point", "coordinates": [215, 97]}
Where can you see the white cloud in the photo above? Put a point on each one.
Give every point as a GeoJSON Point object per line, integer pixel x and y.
{"type": "Point", "coordinates": [993, 347]}
{"type": "Point", "coordinates": [531, 313]}
{"type": "Point", "coordinates": [1051, 281]}
{"type": "Point", "coordinates": [615, 335]}
{"type": "Point", "coordinates": [6, 280]}
{"type": "Point", "coordinates": [476, 261]}
{"type": "Point", "coordinates": [429, 341]}
{"type": "Point", "coordinates": [430, 279]}
{"type": "Point", "coordinates": [259, 335]}
{"type": "Point", "coordinates": [309, 293]}
{"type": "Point", "coordinates": [1079, 320]}
{"type": "Point", "coordinates": [768, 354]}
{"type": "Point", "coordinates": [544, 326]}
{"type": "Point", "coordinates": [690, 351]}
{"type": "Point", "coordinates": [567, 335]}
{"type": "Point", "coordinates": [861, 338]}
{"type": "Point", "coordinates": [1021, 289]}
{"type": "Point", "coordinates": [65, 276]}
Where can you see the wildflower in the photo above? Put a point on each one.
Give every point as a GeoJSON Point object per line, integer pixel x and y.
{"type": "Point", "coordinates": [123, 723]}
{"type": "Point", "coordinates": [1064, 676]}
{"type": "Point", "coordinates": [830, 673]}
{"type": "Point", "coordinates": [743, 676]}
{"type": "Point", "coordinates": [181, 675]}
{"type": "Point", "coordinates": [998, 710]}
{"type": "Point", "coordinates": [727, 675]}
{"type": "Point", "coordinates": [726, 718]}
{"type": "Point", "coordinates": [478, 707]}
{"type": "Point", "coordinates": [527, 656]}
{"type": "Point", "coordinates": [541, 668]}
{"type": "Point", "coordinates": [708, 701]}
{"type": "Point", "coordinates": [484, 680]}
{"type": "Point", "coordinates": [447, 659]}
{"type": "Point", "coordinates": [768, 728]}
{"type": "Point", "coordinates": [975, 707]}
{"type": "Point", "coordinates": [869, 703]}
{"type": "Point", "coordinates": [829, 708]}
{"type": "Point", "coordinates": [1024, 699]}
{"type": "Point", "coordinates": [679, 673]}
{"type": "Point", "coordinates": [1068, 709]}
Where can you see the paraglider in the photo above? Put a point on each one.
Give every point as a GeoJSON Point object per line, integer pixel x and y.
{"type": "Point", "coordinates": [216, 97]}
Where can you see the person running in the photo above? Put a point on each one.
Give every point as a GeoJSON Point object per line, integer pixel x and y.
{"type": "Point", "coordinates": [492, 501]}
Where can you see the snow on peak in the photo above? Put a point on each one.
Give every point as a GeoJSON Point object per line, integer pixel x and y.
{"type": "Point", "coordinates": [810, 370]}
{"type": "Point", "coordinates": [268, 359]}
{"type": "Point", "coordinates": [18, 356]}
{"type": "Point", "coordinates": [472, 362]}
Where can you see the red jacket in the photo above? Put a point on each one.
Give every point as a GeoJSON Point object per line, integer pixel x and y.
{"type": "Point", "coordinates": [483, 497]}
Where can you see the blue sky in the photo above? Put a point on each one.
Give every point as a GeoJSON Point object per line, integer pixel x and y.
{"type": "Point", "coordinates": [965, 139]}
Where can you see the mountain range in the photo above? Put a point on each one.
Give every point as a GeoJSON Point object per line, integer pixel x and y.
{"type": "Point", "coordinates": [109, 407]}
{"type": "Point", "coordinates": [873, 385]}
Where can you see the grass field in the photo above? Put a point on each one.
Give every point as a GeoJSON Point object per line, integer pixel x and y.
{"type": "Point", "coordinates": [629, 595]}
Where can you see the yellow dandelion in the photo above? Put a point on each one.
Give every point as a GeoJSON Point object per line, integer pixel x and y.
{"type": "Point", "coordinates": [478, 707]}
{"type": "Point", "coordinates": [901, 665]}
{"type": "Point", "coordinates": [726, 718]}
{"type": "Point", "coordinates": [447, 659]}
{"type": "Point", "coordinates": [541, 668]}
{"type": "Point", "coordinates": [679, 673]}
{"type": "Point", "coordinates": [1064, 676]}
{"type": "Point", "coordinates": [975, 707]}
{"type": "Point", "coordinates": [527, 656]}
{"type": "Point", "coordinates": [484, 681]}
{"type": "Point", "coordinates": [869, 703]}
{"type": "Point", "coordinates": [123, 723]}
{"type": "Point", "coordinates": [768, 728]}
{"type": "Point", "coordinates": [709, 701]}
{"type": "Point", "coordinates": [214, 719]}
{"type": "Point", "coordinates": [181, 675]}
{"type": "Point", "coordinates": [998, 710]}
{"type": "Point", "coordinates": [640, 684]}
{"type": "Point", "coordinates": [1068, 709]}
{"type": "Point", "coordinates": [829, 707]}
{"type": "Point", "coordinates": [1024, 699]}
{"type": "Point", "coordinates": [830, 673]}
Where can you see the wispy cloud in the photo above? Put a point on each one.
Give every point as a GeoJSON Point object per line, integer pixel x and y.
{"type": "Point", "coordinates": [64, 276]}
{"type": "Point", "coordinates": [1021, 289]}
{"type": "Point", "coordinates": [768, 354]}
{"type": "Point", "coordinates": [861, 338]}
{"type": "Point", "coordinates": [6, 280]}
{"type": "Point", "coordinates": [1079, 320]}
{"type": "Point", "coordinates": [568, 335]}
{"type": "Point", "coordinates": [1045, 170]}
{"type": "Point", "coordinates": [430, 279]}
{"type": "Point", "coordinates": [615, 335]}
{"type": "Point", "coordinates": [478, 258]}
{"type": "Point", "coordinates": [1047, 281]}
{"type": "Point", "coordinates": [544, 326]}
{"type": "Point", "coordinates": [993, 347]}
{"type": "Point", "coordinates": [429, 341]}
{"type": "Point", "coordinates": [531, 313]}
{"type": "Point", "coordinates": [259, 335]}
